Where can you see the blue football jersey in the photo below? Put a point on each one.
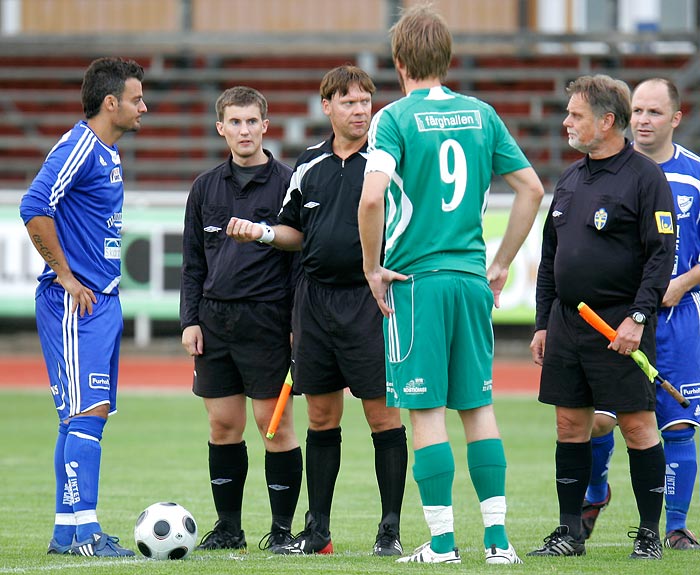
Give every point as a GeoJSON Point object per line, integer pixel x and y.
{"type": "Point", "coordinates": [80, 187]}
{"type": "Point", "coordinates": [683, 174]}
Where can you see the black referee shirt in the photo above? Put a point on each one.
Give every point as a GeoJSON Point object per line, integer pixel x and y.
{"type": "Point", "coordinates": [215, 266]}
{"type": "Point", "coordinates": [609, 237]}
{"type": "Point", "coordinates": [322, 201]}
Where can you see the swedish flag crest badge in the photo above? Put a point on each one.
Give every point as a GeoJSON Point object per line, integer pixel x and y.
{"type": "Point", "coordinates": [600, 218]}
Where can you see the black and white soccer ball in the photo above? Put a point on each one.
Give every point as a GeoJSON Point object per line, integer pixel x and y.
{"type": "Point", "coordinates": [165, 531]}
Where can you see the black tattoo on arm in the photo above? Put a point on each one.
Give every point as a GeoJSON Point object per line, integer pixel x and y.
{"type": "Point", "coordinates": [45, 252]}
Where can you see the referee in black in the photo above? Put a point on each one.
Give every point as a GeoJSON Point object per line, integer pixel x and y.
{"type": "Point", "coordinates": [338, 338]}
{"type": "Point", "coordinates": [235, 312]}
{"type": "Point", "coordinates": [608, 241]}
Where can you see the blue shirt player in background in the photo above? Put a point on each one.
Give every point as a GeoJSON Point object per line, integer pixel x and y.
{"type": "Point", "coordinates": [656, 112]}
{"type": "Point", "coordinates": [73, 214]}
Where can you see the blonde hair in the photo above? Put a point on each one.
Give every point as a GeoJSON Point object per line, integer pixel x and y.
{"type": "Point", "coordinates": [422, 43]}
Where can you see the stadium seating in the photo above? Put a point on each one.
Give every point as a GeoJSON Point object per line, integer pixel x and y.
{"type": "Point", "coordinates": [40, 99]}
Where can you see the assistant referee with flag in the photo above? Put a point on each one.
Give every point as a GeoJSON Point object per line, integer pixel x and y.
{"type": "Point", "coordinates": [608, 240]}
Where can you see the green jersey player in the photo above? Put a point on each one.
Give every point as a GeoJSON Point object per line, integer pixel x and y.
{"type": "Point", "coordinates": [431, 159]}
{"type": "Point", "coordinates": [446, 146]}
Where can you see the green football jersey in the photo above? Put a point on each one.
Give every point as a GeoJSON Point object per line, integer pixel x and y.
{"type": "Point", "coordinates": [445, 147]}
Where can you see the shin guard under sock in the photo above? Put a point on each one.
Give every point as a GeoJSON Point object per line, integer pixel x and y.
{"type": "Point", "coordinates": [322, 467]}
{"type": "Point", "coordinates": [434, 471]}
{"type": "Point", "coordinates": [228, 469]}
{"type": "Point", "coordinates": [390, 463]}
{"type": "Point", "coordinates": [573, 473]}
{"type": "Point", "coordinates": [647, 470]}
{"type": "Point", "coordinates": [64, 523]}
{"type": "Point", "coordinates": [681, 471]}
{"type": "Point", "coordinates": [487, 468]}
{"type": "Point", "coordinates": [283, 475]}
{"type": "Point", "coordinates": [602, 448]}
{"type": "Point", "coordinates": [83, 455]}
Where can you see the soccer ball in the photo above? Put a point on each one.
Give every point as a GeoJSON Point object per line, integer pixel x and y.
{"type": "Point", "coordinates": [165, 531]}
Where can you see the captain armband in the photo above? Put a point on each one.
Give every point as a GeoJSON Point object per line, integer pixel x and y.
{"type": "Point", "coordinates": [268, 235]}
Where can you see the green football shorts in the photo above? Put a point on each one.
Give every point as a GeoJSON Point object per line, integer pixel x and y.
{"type": "Point", "coordinates": [439, 341]}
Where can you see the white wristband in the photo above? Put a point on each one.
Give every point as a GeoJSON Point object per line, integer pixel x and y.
{"type": "Point", "coordinates": [268, 235]}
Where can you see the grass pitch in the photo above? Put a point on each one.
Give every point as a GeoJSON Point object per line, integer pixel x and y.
{"type": "Point", "coordinates": [155, 449]}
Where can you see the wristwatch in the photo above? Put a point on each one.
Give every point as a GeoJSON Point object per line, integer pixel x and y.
{"type": "Point", "coordinates": [639, 317]}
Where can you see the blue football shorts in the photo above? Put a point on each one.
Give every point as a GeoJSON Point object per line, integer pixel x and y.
{"type": "Point", "coordinates": [81, 353]}
{"type": "Point", "coordinates": [678, 360]}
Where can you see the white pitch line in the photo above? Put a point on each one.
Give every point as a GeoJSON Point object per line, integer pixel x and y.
{"type": "Point", "coordinates": [89, 564]}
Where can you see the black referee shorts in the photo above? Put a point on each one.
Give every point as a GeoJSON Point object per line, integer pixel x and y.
{"type": "Point", "coordinates": [246, 349]}
{"type": "Point", "coordinates": [338, 340]}
{"type": "Point", "coordinates": [580, 371]}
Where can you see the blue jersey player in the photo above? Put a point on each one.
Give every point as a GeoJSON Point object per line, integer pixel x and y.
{"type": "Point", "coordinates": [73, 214]}
{"type": "Point", "coordinates": [655, 114]}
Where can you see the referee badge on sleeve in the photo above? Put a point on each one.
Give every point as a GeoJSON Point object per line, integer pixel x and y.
{"type": "Point", "coordinates": [664, 222]}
